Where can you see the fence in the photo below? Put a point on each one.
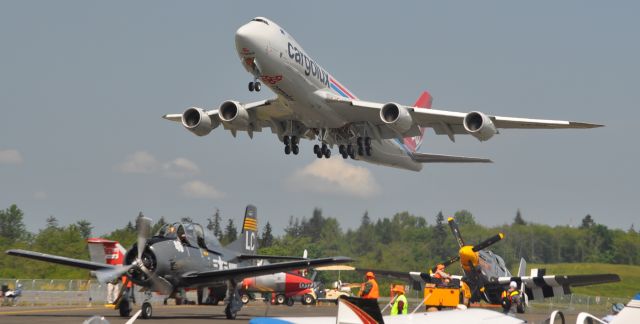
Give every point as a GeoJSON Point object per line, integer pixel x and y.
{"type": "Point", "coordinates": [64, 292]}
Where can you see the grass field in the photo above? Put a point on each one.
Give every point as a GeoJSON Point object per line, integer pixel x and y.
{"type": "Point", "coordinates": [626, 288]}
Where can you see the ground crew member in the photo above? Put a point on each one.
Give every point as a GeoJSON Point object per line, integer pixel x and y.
{"type": "Point", "coordinates": [510, 297]}
{"type": "Point", "coordinates": [112, 291]}
{"type": "Point", "coordinates": [400, 306]}
{"type": "Point", "coordinates": [128, 285]}
{"type": "Point", "coordinates": [440, 274]}
{"type": "Point", "coordinates": [369, 289]}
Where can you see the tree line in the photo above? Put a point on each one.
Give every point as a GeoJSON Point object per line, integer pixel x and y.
{"type": "Point", "coordinates": [401, 242]}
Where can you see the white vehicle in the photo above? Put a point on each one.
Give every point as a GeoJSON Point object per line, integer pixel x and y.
{"type": "Point", "coordinates": [312, 104]}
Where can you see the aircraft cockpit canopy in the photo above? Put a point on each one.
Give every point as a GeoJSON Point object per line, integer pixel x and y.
{"type": "Point", "coordinates": [189, 233]}
{"type": "Point", "coordinates": [260, 19]}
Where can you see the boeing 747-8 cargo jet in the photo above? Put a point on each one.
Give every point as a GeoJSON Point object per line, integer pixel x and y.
{"type": "Point", "coordinates": [312, 104]}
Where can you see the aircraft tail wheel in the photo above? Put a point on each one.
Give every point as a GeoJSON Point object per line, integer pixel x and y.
{"type": "Point", "coordinates": [295, 149]}
{"type": "Point", "coordinates": [227, 311]}
{"type": "Point", "coordinates": [289, 301]}
{"type": "Point", "coordinates": [287, 149]}
{"type": "Point", "coordinates": [251, 86]}
{"type": "Point", "coordinates": [316, 149]}
{"type": "Point", "coordinates": [147, 310]}
{"type": "Point", "coordinates": [257, 86]}
{"type": "Point", "coordinates": [280, 299]}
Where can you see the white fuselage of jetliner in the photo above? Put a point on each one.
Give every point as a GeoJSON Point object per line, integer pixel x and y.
{"type": "Point", "coordinates": [301, 84]}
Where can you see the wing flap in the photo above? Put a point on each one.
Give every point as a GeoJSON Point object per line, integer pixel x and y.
{"type": "Point", "coordinates": [60, 260]}
{"type": "Point", "coordinates": [439, 158]}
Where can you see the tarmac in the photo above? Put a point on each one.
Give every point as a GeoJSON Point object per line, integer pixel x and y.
{"type": "Point", "coordinates": [192, 314]}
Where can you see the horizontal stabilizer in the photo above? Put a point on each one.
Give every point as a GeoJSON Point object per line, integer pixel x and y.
{"type": "Point", "coordinates": [439, 158]}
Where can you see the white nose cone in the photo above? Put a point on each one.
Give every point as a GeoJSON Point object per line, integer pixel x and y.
{"type": "Point", "coordinates": [249, 38]}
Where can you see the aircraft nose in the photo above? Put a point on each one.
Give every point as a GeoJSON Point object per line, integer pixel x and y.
{"type": "Point", "coordinates": [248, 38]}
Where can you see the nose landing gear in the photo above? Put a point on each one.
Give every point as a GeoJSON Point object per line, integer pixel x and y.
{"type": "Point", "coordinates": [255, 85]}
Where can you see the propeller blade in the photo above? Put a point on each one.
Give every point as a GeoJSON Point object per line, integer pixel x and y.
{"type": "Point", "coordinates": [455, 231]}
{"type": "Point", "coordinates": [158, 284]}
{"type": "Point", "coordinates": [143, 226]}
{"type": "Point", "coordinates": [488, 242]}
{"type": "Point", "coordinates": [105, 276]}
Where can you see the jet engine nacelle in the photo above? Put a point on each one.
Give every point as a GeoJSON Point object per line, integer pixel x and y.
{"type": "Point", "coordinates": [234, 114]}
{"type": "Point", "coordinates": [197, 121]}
{"type": "Point", "coordinates": [479, 125]}
{"type": "Point", "coordinates": [396, 117]}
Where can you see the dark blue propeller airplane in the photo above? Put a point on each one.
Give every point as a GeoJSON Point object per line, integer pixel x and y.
{"type": "Point", "coordinates": [183, 255]}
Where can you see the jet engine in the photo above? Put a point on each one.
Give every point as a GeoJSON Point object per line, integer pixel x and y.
{"type": "Point", "coordinates": [197, 121]}
{"type": "Point", "coordinates": [396, 117]}
{"type": "Point", "coordinates": [479, 125]}
{"type": "Point", "coordinates": [234, 114]}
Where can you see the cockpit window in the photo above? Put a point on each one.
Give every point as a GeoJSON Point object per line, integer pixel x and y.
{"type": "Point", "coordinates": [260, 20]}
{"type": "Point", "coordinates": [167, 231]}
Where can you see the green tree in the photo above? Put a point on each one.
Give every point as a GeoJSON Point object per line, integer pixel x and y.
{"type": "Point", "coordinates": [84, 226]}
{"type": "Point", "coordinates": [518, 220]}
{"type": "Point", "coordinates": [52, 221]}
{"type": "Point", "coordinates": [12, 228]}
{"type": "Point", "coordinates": [439, 238]}
{"type": "Point", "coordinates": [214, 224]}
{"type": "Point", "coordinates": [464, 217]}
{"type": "Point", "coordinates": [587, 222]}
{"type": "Point", "coordinates": [230, 232]}
{"type": "Point", "coordinates": [266, 240]}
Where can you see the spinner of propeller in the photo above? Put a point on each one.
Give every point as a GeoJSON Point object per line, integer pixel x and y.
{"type": "Point", "coordinates": [468, 254]}
{"type": "Point", "coordinates": [142, 266]}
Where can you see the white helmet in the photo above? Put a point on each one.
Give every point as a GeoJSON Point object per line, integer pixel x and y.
{"type": "Point", "coordinates": [513, 285]}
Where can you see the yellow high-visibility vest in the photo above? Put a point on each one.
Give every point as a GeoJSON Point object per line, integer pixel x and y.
{"type": "Point", "coordinates": [405, 305]}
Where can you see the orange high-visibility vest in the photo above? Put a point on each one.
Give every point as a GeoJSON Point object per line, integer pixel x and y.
{"type": "Point", "coordinates": [373, 293]}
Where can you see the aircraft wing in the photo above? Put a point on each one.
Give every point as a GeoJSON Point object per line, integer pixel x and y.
{"type": "Point", "coordinates": [263, 113]}
{"type": "Point", "coordinates": [252, 271]}
{"type": "Point", "coordinates": [84, 264]}
{"type": "Point", "coordinates": [541, 286]}
{"type": "Point", "coordinates": [443, 122]}
{"type": "Point", "coordinates": [268, 257]}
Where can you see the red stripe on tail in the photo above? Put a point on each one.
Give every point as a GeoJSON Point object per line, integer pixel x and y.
{"type": "Point", "coordinates": [424, 101]}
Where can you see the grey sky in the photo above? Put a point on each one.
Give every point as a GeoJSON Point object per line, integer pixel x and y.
{"type": "Point", "coordinates": [83, 86]}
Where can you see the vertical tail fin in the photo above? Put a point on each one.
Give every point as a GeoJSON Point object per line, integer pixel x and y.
{"type": "Point", "coordinates": [424, 101]}
{"type": "Point", "coordinates": [247, 243]}
{"type": "Point", "coordinates": [106, 251]}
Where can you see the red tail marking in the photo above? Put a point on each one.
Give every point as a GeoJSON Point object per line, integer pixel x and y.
{"type": "Point", "coordinates": [424, 101]}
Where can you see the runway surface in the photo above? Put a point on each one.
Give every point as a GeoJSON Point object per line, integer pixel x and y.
{"type": "Point", "coordinates": [189, 314]}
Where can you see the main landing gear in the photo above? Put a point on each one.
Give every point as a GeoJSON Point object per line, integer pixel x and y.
{"type": "Point", "coordinates": [363, 147]}
{"type": "Point", "coordinates": [255, 85]}
{"type": "Point", "coordinates": [291, 144]}
{"type": "Point", "coordinates": [321, 151]}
